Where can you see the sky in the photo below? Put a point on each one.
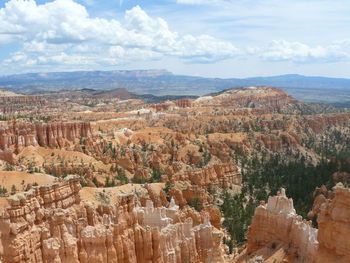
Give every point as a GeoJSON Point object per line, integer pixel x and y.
{"type": "Point", "coordinates": [211, 38]}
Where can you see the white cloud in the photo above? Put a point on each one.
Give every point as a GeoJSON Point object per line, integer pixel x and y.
{"type": "Point", "coordinates": [62, 31]}
{"type": "Point", "coordinates": [281, 50]}
{"type": "Point", "coordinates": [204, 48]}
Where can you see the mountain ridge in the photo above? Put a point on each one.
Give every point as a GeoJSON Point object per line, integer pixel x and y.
{"type": "Point", "coordinates": [163, 82]}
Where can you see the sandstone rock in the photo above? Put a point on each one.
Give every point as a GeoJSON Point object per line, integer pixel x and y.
{"type": "Point", "coordinates": [334, 228]}
{"type": "Point", "coordinates": [51, 224]}
{"type": "Point", "coordinates": [217, 175]}
{"type": "Point", "coordinates": [251, 97]}
{"type": "Point", "coordinates": [55, 135]}
{"type": "Point", "coordinates": [277, 223]}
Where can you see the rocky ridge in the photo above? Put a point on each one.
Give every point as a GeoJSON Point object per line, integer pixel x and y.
{"type": "Point", "coordinates": [276, 224]}
{"type": "Point", "coordinates": [220, 175]}
{"type": "Point", "coordinates": [130, 152]}
{"type": "Point", "coordinates": [14, 103]}
{"type": "Point", "coordinates": [15, 137]}
{"type": "Point", "coordinates": [52, 224]}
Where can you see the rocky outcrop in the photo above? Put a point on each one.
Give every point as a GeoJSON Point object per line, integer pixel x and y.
{"type": "Point", "coordinates": [184, 103]}
{"type": "Point", "coordinates": [319, 123]}
{"type": "Point", "coordinates": [32, 226]}
{"type": "Point", "coordinates": [321, 196]}
{"type": "Point", "coordinates": [250, 97]}
{"type": "Point", "coordinates": [54, 135]}
{"type": "Point", "coordinates": [163, 106]}
{"type": "Point", "coordinates": [334, 228]}
{"type": "Point", "coordinates": [276, 143]}
{"type": "Point", "coordinates": [220, 175]}
{"type": "Point", "coordinates": [52, 224]}
{"type": "Point", "coordinates": [276, 223]}
{"type": "Point", "coordinates": [16, 104]}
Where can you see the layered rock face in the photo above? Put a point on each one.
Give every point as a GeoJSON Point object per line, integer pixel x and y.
{"type": "Point", "coordinates": [32, 226]}
{"type": "Point", "coordinates": [52, 224]}
{"type": "Point", "coordinates": [56, 135]}
{"type": "Point", "coordinates": [221, 175]}
{"type": "Point", "coordinates": [179, 242]}
{"type": "Point", "coordinates": [250, 97]}
{"type": "Point", "coordinates": [17, 104]}
{"type": "Point", "coordinates": [277, 224]}
{"type": "Point", "coordinates": [184, 103]}
{"type": "Point", "coordinates": [334, 228]}
{"type": "Point", "coordinates": [21, 99]}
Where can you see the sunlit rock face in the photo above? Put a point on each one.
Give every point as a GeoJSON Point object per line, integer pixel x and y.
{"type": "Point", "coordinates": [19, 104]}
{"type": "Point", "coordinates": [255, 97]}
{"type": "Point", "coordinates": [52, 224]}
{"type": "Point", "coordinates": [276, 223]}
{"type": "Point", "coordinates": [54, 135]}
{"type": "Point", "coordinates": [220, 175]}
{"type": "Point", "coordinates": [334, 228]}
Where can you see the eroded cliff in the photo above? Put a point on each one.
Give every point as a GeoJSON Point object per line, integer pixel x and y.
{"type": "Point", "coordinates": [276, 226]}
{"type": "Point", "coordinates": [52, 224]}
{"type": "Point", "coordinates": [15, 137]}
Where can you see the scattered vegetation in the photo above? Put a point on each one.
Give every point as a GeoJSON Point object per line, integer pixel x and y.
{"type": "Point", "coordinates": [3, 191]}
{"type": "Point", "coordinates": [156, 175]}
{"type": "Point", "coordinates": [167, 189]}
{"type": "Point", "coordinates": [262, 179]}
{"type": "Point", "coordinates": [196, 203]}
{"type": "Point", "coordinates": [122, 176]}
{"type": "Point", "coordinates": [13, 190]}
{"type": "Point", "coordinates": [205, 159]}
{"type": "Point", "coordinates": [9, 167]}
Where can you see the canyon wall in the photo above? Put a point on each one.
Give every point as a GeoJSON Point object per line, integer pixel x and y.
{"type": "Point", "coordinates": [56, 135]}
{"type": "Point", "coordinates": [52, 224]}
{"type": "Point", "coordinates": [251, 97]}
{"type": "Point", "coordinates": [334, 228]}
{"type": "Point", "coordinates": [276, 223]}
{"type": "Point", "coordinates": [19, 104]}
{"type": "Point", "coordinates": [221, 175]}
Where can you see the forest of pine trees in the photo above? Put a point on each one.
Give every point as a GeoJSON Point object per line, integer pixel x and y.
{"type": "Point", "coordinates": [262, 179]}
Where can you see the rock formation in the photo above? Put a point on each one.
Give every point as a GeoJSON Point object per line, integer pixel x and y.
{"type": "Point", "coordinates": [52, 224]}
{"type": "Point", "coordinates": [276, 223]}
{"type": "Point", "coordinates": [334, 228]}
{"type": "Point", "coordinates": [56, 135]}
{"type": "Point", "coordinates": [188, 150]}
{"type": "Point", "coordinates": [250, 97]}
{"type": "Point", "coordinates": [15, 104]}
{"type": "Point", "coordinates": [221, 175]}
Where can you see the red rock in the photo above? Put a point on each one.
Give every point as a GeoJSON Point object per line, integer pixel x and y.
{"type": "Point", "coordinates": [334, 228]}
{"type": "Point", "coordinates": [55, 135]}
{"type": "Point", "coordinates": [277, 223]}
{"type": "Point", "coordinates": [52, 224]}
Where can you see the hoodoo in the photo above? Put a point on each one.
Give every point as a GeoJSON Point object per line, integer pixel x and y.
{"type": "Point", "coordinates": [52, 224]}
{"type": "Point", "coordinates": [276, 226]}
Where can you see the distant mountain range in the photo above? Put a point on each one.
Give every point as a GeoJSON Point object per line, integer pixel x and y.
{"type": "Point", "coordinates": [162, 82]}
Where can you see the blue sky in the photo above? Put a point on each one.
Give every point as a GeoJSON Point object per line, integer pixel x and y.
{"type": "Point", "coordinates": [214, 38]}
